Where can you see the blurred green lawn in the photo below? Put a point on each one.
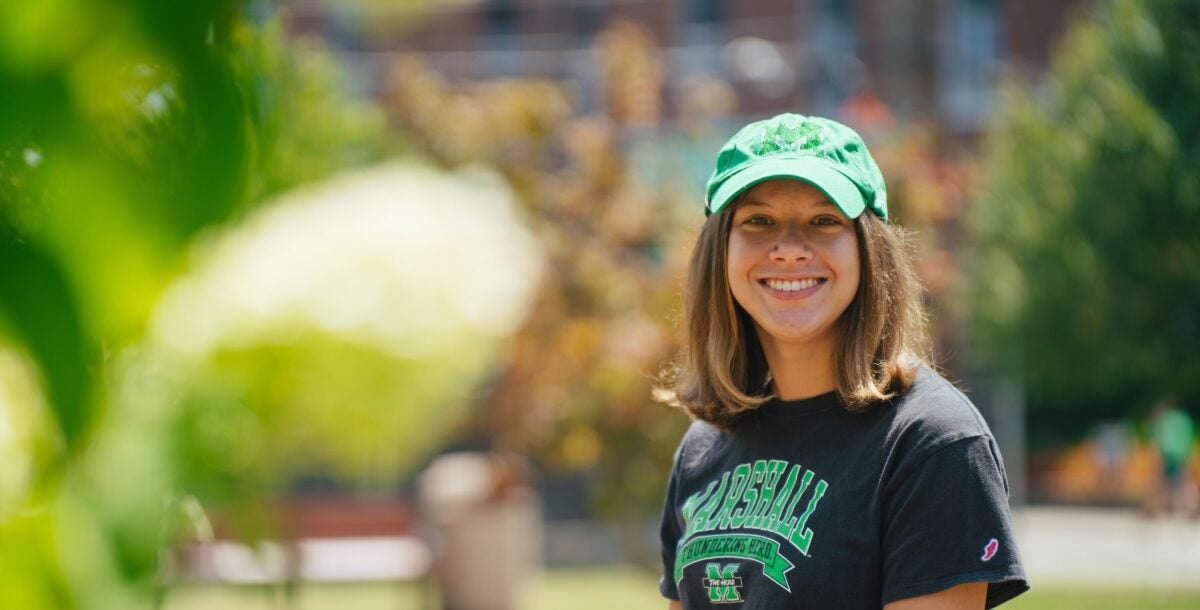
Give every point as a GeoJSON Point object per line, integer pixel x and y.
{"type": "Point", "coordinates": [615, 589]}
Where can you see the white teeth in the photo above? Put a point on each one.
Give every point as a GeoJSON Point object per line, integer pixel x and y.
{"type": "Point", "coordinates": [793, 285]}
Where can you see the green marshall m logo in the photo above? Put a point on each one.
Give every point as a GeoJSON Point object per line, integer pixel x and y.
{"type": "Point", "coordinates": [764, 496]}
{"type": "Point", "coordinates": [784, 138]}
{"type": "Point", "coordinates": [722, 583]}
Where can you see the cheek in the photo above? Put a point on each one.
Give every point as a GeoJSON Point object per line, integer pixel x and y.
{"type": "Point", "coordinates": [844, 258]}
{"type": "Point", "coordinates": [735, 258]}
{"type": "Point", "coordinates": [852, 286]}
{"type": "Point", "coordinates": [849, 257]}
{"type": "Point", "coordinates": [738, 264]}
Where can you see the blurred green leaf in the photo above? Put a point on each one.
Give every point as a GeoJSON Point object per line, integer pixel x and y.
{"type": "Point", "coordinates": [40, 308]}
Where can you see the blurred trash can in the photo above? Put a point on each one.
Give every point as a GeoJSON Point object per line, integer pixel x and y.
{"type": "Point", "coordinates": [486, 526]}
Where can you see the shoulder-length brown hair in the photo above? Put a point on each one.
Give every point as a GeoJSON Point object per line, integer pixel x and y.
{"type": "Point", "coordinates": [721, 372]}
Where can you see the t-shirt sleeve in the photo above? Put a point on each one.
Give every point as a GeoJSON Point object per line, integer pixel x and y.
{"type": "Point", "coordinates": [947, 522]}
{"type": "Point", "coordinates": [670, 534]}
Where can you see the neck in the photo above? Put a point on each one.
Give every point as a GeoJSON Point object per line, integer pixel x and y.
{"type": "Point", "coordinates": [800, 370]}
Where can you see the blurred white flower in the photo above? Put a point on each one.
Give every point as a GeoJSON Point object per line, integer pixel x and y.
{"type": "Point", "coordinates": [398, 256]}
{"type": "Point", "coordinates": [344, 326]}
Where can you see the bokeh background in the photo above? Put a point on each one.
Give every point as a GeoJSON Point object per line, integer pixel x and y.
{"type": "Point", "coordinates": [317, 303]}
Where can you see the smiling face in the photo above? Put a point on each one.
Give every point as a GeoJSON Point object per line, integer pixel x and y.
{"type": "Point", "coordinates": [793, 264]}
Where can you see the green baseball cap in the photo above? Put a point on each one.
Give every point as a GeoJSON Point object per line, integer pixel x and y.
{"type": "Point", "coordinates": [824, 153]}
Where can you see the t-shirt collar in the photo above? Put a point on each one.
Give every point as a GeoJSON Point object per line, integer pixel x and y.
{"type": "Point", "coordinates": [787, 409]}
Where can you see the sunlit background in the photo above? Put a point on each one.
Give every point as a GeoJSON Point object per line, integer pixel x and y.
{"type": "Point", "coordinates": [359, 303]}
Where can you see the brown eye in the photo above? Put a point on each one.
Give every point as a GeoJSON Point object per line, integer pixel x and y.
{"type": "Point", "coordinates": [826, 220]}
{"type": "Point", "coordinates": [759, 220]}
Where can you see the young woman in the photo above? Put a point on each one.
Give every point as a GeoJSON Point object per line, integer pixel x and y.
{"type": "Point", "coordinates": [829, 466]}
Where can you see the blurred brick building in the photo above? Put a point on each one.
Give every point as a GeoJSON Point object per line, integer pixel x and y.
{"type": "Point", "coordinates": [932, 65]}
{"type": "Point", "coordinates": [927, 59]}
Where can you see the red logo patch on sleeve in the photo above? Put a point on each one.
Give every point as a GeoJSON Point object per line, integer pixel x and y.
{"type": "Point", "coordinates": [989, 551]}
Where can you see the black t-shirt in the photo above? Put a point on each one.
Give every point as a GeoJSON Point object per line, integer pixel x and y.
{"type": "Point", "coordinates": [807, 505]}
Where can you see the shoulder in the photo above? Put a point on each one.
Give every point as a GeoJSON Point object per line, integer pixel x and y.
{"type": "Point", "coordinates": [699, 445]}
{"type": "Point", "coordinates": [931, 414]}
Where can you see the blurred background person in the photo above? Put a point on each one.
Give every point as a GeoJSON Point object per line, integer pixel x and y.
{"type": "Point", "coordinates": [1172, 433]}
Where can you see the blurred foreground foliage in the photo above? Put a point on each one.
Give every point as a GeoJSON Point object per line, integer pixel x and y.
{"type": "Point", "coordinates": [1086, 277]}
{"type": "Point", "coordinates": [145, 150]}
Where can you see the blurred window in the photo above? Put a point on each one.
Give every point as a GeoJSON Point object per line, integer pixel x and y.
{"type": "Point", "coordinates": [837, 72]}
{"type": "Point", "coordinates": [967, 62]}
{"type": "Point", "coordinates": [589, 18]}
{"type": "Point", "coordinates": [501, 16]}
{"type": "Point", "coordinates": [704, 11]}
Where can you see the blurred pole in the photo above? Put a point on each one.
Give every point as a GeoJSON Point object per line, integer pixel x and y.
{"type": "Point", "coordinates": [1001, 401]}
{"type": "Point", "coordinates": [487, 527]}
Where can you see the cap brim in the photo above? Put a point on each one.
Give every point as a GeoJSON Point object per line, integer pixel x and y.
{"type": "Point", "coordinates": [813, 170]}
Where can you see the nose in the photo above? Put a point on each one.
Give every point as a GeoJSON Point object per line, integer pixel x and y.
{"type": "Point", "coordinates": [791, 246]}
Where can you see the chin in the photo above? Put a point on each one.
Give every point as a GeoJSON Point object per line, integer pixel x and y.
{"type": "Point", "coordinates": [798, 335]}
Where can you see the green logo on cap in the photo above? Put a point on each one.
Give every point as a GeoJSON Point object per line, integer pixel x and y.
{"type": "Point", "coordinates": [782, 137]}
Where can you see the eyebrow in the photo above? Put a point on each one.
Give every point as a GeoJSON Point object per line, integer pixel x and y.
{"type": "Point", "coordinates": [753, 203]}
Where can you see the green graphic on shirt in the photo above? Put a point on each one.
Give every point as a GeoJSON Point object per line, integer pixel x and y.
{"type": "Point", "coordinates": [752, 496]}
{"type": "Point", "coordinates": [722, 583]}
{"type": "Point", "coordinates": [740, 546]}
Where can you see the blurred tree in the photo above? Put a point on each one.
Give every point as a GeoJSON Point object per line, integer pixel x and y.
{"type": "Point", "coordinates": [1086, 277]}
{"type": "Point", "coordinates": [927, 190]}
{"type": "Point", "coordinates": [574, 389]}
{"type": "Point", "coordinates": [631, 64]}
